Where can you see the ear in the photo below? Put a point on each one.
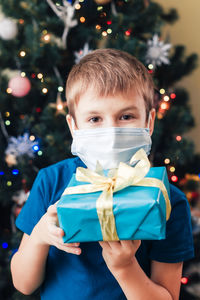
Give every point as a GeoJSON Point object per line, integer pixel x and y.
{"type": "Point", "coordinates": [152, 120]}
{"type": "Point", "coordinates": [70, 122]}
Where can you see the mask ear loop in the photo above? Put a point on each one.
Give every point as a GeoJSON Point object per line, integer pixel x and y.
{"type": "Point", "coordinates": [149, 119]}
{"type": "Point", "coordinates": [73, 125]}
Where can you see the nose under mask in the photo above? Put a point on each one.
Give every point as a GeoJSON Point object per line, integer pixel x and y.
{"type": "Point", "coordinates": [109, 146]}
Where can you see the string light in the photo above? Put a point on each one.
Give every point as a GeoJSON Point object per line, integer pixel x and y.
{"type": "Point", "coordinates": [104, 33]}
{"type": "Point", "coordinates": [45, 90]}
{"type": "Point", "coordinates": [82, 19]}
{"type": "Point", "coordinates": [1, 173]}
{"type": "Point", "coordinates": [15, 172]}
{"type": "Point", "coordinates": [178, 138]}
{"type": "Point", "coordinates": [7, 114]}
{"type": "Point", "coordinates": [23, 74]}
{"type": "Point", "coordinates": [150, 66]}
{"type": "Point", "coordinates": [164, 106]}
{"type": "Point", "coordinates": [38, 109]}
{"type": "Point", "coordinates": [46, 38]}
{"type": "Point", "coordinates": [77, 6]}
{"type": "Point", "coordinates": [99, 8]}
{"type": "Point", "coordinates": [9, 183]}
{"type": "Point", "coordinates": [4, 245]}
{"type": "Point", "coordinates": [44, 31]}
{"type": "Point", "coordinates": [98, 27]}
{"type": "Point", "coordinates": [35, 148]}
{"type": "Point", "coordinates": [127, 33]}
{"type": "Point", "coordinates": [39, 153]}
{"type": "Point", "coordinates": [32, 138]}
{"type": "Point", "coordinates": [162, 91]}
{"type": "Point", "coordinates": [184, 280]}
{"type": "Point", "coordinates": [60, 89]}
{"type": "Point", "coordinates": [166, 98]}
{"type": "Point", "coordinates": [159, 115]}
{"type": "Point", "coordinates": [109, 22]}
{"type": "Point", "coordinates": [21, 21]}
{"type": "Point", "coordinates": [173, 96]}
{"type": "Point", "coordinates": [103, 14]}
{"type": "Point", "coordinates": [167, 161]}
{"type": "Point", "coordinates": [174, 178]}
{"type": "Point", "coordinates": [189, 195]}
{"type": "Point", "coordinates": [39, 75]}
{"type": "Point", "coordinates": [59, 106]}
{"type": "Point", "coordinates": [7, 122]}
{"type": "Point", "coordinates": [9, 90]}
{"type": "Point", "coordinates": [22, 53]}
{"type": "Point", "coordinates": [109, 31]}
{"type": "Point", "coordinates": [172, 169]}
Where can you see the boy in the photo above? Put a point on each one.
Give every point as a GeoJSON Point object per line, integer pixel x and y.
{"type": "Point", "coordinates": [111, 115]}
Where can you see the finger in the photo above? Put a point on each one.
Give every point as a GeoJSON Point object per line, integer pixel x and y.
{"type": "Point", "coordinates": [105, 246]}
{"type": "Point", "coordinates": [56, 240]}
{"type": "Point", "coordinates": [137, 243]}
{"type": "Point", "coordinates": [67, 249]}
{"type": "Point", "coordinates": [56, 231]}
{"type": "Point", "coordinates": [127, 243]}
{"type": "Point", "coordinates": [115, 244]}
{"type": "Point", "coordinates": [52, 210]}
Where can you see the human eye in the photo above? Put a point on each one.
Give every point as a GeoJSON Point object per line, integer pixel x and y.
{"type": "Point", "coordinates": [94, 119]}
{"type": "Point", "coordinates": [126, 117]}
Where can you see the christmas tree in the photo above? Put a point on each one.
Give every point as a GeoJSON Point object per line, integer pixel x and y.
{"type": "Point", "coordinates": [40, 41]}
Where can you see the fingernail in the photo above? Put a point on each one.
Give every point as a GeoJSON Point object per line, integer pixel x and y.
{"type": "Point", "coordinates": [77, 251]}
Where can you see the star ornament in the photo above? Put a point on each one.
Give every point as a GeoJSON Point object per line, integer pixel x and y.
{"type": "Point", "coordinates": [80, 54]}
{"type": "Point", "coordinates": [59, 105]}
{"type": "Point", "coordinates": [157, 52]}
{"type": "Point", "coordinates": [20, 197]}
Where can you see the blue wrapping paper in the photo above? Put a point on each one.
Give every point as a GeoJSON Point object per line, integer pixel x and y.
{"type": "Point", "coordinates": [139, 211]}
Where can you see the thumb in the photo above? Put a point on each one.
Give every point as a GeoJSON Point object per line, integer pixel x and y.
{"type": "Point", "coordinates": [52, 211]}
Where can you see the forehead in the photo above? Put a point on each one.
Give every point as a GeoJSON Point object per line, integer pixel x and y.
{"type": "Point", "coordinates": [90, 100]}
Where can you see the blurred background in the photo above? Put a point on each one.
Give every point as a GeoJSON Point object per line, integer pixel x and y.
{"type": "Point", "coordinates": [40, 41]}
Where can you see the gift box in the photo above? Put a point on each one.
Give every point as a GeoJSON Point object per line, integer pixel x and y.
{"type": "Point", "coordinates": [133, 204]}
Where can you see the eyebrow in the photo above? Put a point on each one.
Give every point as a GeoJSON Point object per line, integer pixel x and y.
{"type": "Point", "coordinates": [95, 112]}
{"type": "Point", "coordinates": [132, 107]}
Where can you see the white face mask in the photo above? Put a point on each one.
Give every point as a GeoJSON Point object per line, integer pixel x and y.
{"type": "Point", "coordinates": [109, 146]}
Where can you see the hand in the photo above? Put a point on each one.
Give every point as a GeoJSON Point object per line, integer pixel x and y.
{"type": "Point", "coordinates": [119, 255]}
{"type": "Point", "coordinates": [47, 233]}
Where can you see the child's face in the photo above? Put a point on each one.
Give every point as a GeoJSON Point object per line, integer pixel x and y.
{"type": "Point", "coordinates": [111, 111]}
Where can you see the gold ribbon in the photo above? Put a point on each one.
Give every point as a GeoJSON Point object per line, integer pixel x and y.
{"type": "Point", "coordinates": [124, 176]}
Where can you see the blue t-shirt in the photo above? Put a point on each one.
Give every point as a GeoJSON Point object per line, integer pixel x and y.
{"type": "Point", "coordinates": [86, 276]}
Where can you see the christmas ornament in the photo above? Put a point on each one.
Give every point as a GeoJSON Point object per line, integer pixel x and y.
{"type": "Point", "coordinates": [157, 52]}
{"type": "Point", "coordinates": [8, 29]}
{"type": "Point", "coordinates": [66, 13]}
{"type": "Point", "coordinates": [59, 105]}
{"type": "Point", "coordinates": [80, 54]}
{"type": "Point", "coordinates": [10, 73]}
{"type": "Point", "coordinates": [18, 146]}
{"type": "Point", "coordinates": [11, 160]}
{"type": "Point", "coordinates": [193, 271]}
{"type": "Point", "coordinates": [102, 2]}
{"type": "Point", "coordinates": [146, 3]}
{"type": "Point", "coordinates": [20, 197]}
{"type": "Point", "coordinates": [20, 86]}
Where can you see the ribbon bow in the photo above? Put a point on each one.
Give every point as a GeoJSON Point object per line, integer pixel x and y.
{"type": "Point", "coordinates": [124, 176]}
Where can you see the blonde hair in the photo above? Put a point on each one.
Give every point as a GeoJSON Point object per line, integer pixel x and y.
{"type": "Point", "coordinates": [108, 72]}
